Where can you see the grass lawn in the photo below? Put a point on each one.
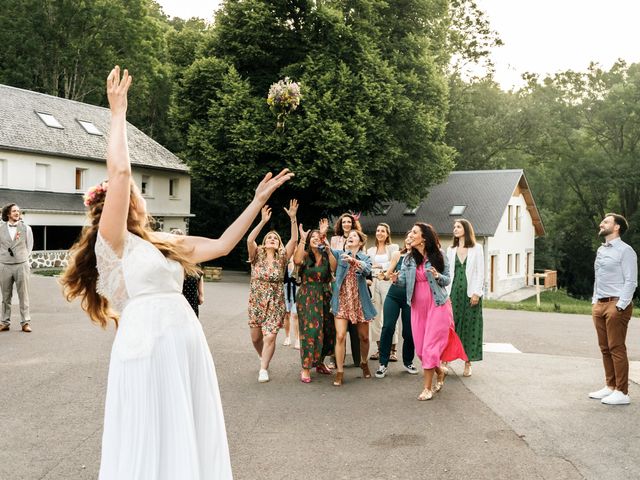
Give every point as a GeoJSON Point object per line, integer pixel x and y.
{"type": "Point", "coordinates": [47, 272]}
{"type": "Point", "coordinates": [558, 301]}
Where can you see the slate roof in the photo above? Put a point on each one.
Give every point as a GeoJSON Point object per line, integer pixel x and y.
{"type": "Point", "coordinates": [485, 193]}
{"type": "Point", "coordinates": [22, 129]}
{"type": "Point", "coordinates": [28, 200]}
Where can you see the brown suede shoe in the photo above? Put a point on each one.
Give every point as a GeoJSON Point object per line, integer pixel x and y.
{"type": "Point", "coordinates": [26, 328]}
{"type": "Point", "coordinates": [4, 328]}
{"type": "Point", "coordinates": [337, 382]}
{"type": "Point", "coordinates": [366, 373]}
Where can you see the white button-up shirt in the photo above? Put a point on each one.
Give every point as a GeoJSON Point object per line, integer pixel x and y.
{"type": "Point", "coordinates": [616, 268]}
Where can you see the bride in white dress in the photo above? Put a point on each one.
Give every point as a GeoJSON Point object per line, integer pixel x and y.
{"type": "Point", "coordinates": [163, 415]}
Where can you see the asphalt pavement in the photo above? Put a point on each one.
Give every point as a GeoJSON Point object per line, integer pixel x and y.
{"type": "Point", "coordinates": [521, 415]}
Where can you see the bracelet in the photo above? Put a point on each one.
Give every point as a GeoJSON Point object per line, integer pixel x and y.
{"type": "Point", "coordinates": [293, 220]}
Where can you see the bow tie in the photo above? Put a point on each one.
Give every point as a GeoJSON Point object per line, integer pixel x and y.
{"type": "Point", "coordinates": [12, 226]}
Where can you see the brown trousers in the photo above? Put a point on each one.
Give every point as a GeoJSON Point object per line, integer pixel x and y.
{"type": "Point", "coordinates": [611, 327]}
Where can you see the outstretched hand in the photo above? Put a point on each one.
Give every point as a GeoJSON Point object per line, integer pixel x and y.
{"type": "Point", "coordinates": [270, 183]}
{"type": "Point", "coordinates": [323, 226]}
{"type": "Point", "coordinates": [266, 213]}
{"type": "Point", "coordinates": [303, 234]}
{"type": "Point", "coordinates": [293, 208]}
{"type": "Point", "coordinates": [117, 89]}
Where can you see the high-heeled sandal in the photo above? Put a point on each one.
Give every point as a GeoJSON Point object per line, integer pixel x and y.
{"type": "Point", "coordinates": [425, 395]}
{"type": "Point", "coordinates": [440, 381]}
{"type": "Point", "coordinates": [337, 382]}
{"type": "Point", "coordinates": [322, 368]}
{"type": "Point", "coordinates": [304, 379]}
{"type": "Point", "coordinates": [467, 370]}
{"type": "Point", "coordinates": [366, 373]}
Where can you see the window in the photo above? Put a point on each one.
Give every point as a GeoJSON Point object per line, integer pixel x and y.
{"type": "Point", "coordinates": [3, 172]}
{"type": "Point", "coordinates": [411, 211]}
{"type": "Point", "coordinates": [381, 209]}
{"type": "Point", "coordinates": [457, 210]}
{"type": "Point", "coordinates": [43, 175]}
{"type": "Point", "coordinates": [518, 218]}
{"type": "Point", "coordinates": [145, 185]}
{"type": "Point", "coordinates": [173, 187]}
{"type": "Point", "coordinates": [80, 178]}
{"type": "Point", "coordinates": [90, 128]}
{"type": "Point", "coordinates": [517, 265]}
{"type": "Point", "coordinates": [510, 218]}
{"type": "Point", "coordinates": [49, 120]}
{"type": "Point", "coordinates": [509, 268]}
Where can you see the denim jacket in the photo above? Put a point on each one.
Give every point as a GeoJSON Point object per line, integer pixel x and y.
{"type": "Point", "coordinates": [438, 289]}
{"type": "Point", "coordinates": [341, 272]}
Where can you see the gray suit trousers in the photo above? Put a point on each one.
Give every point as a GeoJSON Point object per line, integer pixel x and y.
{"type": "Point", "coordinates": [18, 273]}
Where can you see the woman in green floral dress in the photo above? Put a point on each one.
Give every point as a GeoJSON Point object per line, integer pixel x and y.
{"type": "Point", "coordinates": [313, 300]}
{"type": "Point", "coordinates": [466, 289]}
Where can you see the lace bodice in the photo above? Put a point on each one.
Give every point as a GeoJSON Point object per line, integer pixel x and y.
{"type": "Point", "coordinates": [142, 270]}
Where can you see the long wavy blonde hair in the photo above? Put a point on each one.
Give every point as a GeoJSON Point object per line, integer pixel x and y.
{"type": "Point", "coordinates": [79, 279]}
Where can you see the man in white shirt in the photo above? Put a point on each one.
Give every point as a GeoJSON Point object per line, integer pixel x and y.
{"type": "Point", "coordinates": [16, 243]}
{"type": "Point", "coordinates": [616, 279]}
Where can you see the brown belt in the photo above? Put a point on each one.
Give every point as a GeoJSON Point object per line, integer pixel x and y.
{"type": "Point", "coordinates": [608, 299]}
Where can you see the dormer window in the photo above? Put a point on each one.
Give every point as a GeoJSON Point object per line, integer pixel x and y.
{"type": "Point", "coordinates": [90, 128]}
{"type": "Point", "coordinates": [411, 211]}
{"type": "Point", "coordinates": [457, 210]}
{"type": "Point", "coordinates": [49, 120]}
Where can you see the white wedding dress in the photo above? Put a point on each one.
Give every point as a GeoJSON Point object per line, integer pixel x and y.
{"type": "Point", "coordinates": [163, 415]}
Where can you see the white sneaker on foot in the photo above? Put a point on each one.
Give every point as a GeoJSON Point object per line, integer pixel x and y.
{"type": "Point", "coordinates": [602, 393]}
{"type": "Point", "coordinates": [287, 341]}
{"type": "Point", "coordinates": [263, 376]}
{"type": "Point", "coordinates": [411, 369]}
{"type": "Point", "coordinates": [616, 398]}
{"type": "Point", "coordinates": [297, 345]}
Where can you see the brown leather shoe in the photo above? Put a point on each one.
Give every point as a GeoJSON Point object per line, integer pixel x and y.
{"type": "Point", "coordinates": [26, 328]}
{"type": "Point", "coordinates": [366, 373]}
{"type": "Point", "coordinates": [4, 328]}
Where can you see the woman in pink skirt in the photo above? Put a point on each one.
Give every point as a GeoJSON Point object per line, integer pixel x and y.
{"type": "Point", "coordinates": [434, 334]}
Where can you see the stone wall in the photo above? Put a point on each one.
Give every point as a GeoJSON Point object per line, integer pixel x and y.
{"type": "Point", "coordinates": [49, 258]}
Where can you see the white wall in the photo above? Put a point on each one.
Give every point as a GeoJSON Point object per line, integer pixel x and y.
{"type": "Point", "coordinates": [20, 174]}
{"type": "Point", "coordinates": [505, 243]}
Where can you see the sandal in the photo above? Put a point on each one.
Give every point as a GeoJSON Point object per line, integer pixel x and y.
{"type": "Point", "coordinates": [393, 357]}
{"type": "Point", "coordinates": [467, 370]}
{"type": "Point", "coordinates": [322, 368]}
{"type": "Point", "coordinates": [440, 381]}
{"type": "Point", "coordinates": [366, 373]}
{"type": "Point", "coordinates": [337, 382]}
{"type": "Point", "coordinates": [375, 356]}
{"type": "Point", "coordinates": [304, 379]}
{"type": "Point", "coordinates": [331, 364]}
{"type": "Point", "coordinates": [425, 395]}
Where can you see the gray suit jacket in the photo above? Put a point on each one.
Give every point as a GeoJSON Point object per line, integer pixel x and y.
{"type": "Point", "coordinates": [20, 246]}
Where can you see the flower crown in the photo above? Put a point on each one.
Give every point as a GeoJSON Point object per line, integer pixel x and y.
{"type": "Point", "coordinates": [95, 193]}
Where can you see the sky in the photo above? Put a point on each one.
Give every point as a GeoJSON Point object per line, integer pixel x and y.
{"type": "Point", "coordinates": [540, 36]}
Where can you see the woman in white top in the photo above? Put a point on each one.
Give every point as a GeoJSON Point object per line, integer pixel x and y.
{"type": "Point", "coordinates": [380, 255]}
{"type": "Point", "coordinates": [466, 288]}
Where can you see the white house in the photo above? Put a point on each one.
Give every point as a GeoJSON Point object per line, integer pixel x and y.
{"type": "Point", "coordinates": [501, 208]}
{"type": "Point", "coordinates": [52, 149]}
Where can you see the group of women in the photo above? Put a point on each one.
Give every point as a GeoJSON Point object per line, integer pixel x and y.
{"type": "Point", "coordinates": [431, 297]}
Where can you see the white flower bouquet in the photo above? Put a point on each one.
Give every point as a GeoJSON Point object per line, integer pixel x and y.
{"type": "Point", "coordinates": [284, 97]}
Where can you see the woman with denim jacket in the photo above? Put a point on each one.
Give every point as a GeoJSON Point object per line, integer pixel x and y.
{"type": "Point", "coordinates": [426, 272]}
{"type": "Point", "coordinates": [350, 302]}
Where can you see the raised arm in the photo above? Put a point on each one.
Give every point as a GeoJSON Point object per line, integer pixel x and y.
{"type": "Point", "coordinates": [113, 221]}
{"type": "Point", "coordinates": [252, 245]}
{"type": "Point", "coordinates": [299, 254]}
{"type": "Point", "coordinates": [201, 249]}
{"type": "Point", "coordinates": [293, 241]}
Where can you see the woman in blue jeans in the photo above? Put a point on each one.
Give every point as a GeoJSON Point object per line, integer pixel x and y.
{"type": "Point", "coordinates": [395, 304]}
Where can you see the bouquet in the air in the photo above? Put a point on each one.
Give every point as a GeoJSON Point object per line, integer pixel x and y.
{"type": "Point", "coordinates": [284, 97]}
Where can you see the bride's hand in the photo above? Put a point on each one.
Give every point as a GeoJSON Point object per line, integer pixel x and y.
{"type": "Point", "coordinates": [270, 183]}
{"type": "Point", "coordinates": [117, 89]}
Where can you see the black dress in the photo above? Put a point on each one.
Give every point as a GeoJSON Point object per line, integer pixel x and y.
{"type": "Point", "coordinates": [190, 292]}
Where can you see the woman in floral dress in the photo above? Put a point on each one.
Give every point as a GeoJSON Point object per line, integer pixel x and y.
{"type": "Point", "coordinates": [316, 326]}
{"type": "Point", "coordinates": [350, 302]}
{"type": "Point", "coordinates": [266, 296]}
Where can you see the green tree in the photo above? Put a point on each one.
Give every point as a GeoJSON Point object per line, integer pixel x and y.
{"type": "Point", "coordinates": [371, 125]}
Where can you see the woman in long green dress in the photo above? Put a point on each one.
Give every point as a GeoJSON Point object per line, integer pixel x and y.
{"type": "Point", "coordinates": [313, 301]}
{"type": "Point", "coordinates": [466, 289]}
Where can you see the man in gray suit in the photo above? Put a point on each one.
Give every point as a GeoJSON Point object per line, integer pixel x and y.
{"type": "Point", "coordinates": [16, 243]}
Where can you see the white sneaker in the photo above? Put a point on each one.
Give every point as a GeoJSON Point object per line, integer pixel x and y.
{"type": "Point", "coordinates": [602, 393]}
{"type": "Point", "coordinates": [411, 369]}
{"type": "Point", "coordinates": [287, 342]}
{"type": "Point", "coordinates": [263, 376]}
{"type": "Point", "coordinates": [297, 345]}
{"type": "Point", "coordinates": [616, 398]}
